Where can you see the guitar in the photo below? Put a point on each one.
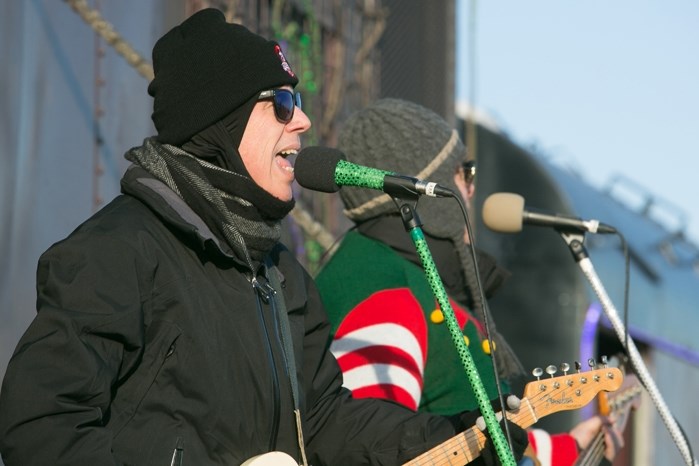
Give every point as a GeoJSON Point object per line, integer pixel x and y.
{"type": "Point", "coordinates": [618, 407]}
{"type": "Point", "coordinates": [541, 398]}
{"type": "Point", "coordinates": [274, 458]}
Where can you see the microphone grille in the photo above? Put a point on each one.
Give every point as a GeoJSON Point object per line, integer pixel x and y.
{"type": "Point", "coordinates": [315, 168]}
{"type": "Point", "coordinates": [503, 212]}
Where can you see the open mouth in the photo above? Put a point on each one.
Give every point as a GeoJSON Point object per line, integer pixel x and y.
{"type": "Point", "coordinates": [284, 162]}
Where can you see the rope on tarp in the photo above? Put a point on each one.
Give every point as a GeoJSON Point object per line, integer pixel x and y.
{"type": "Point", "coordinates": [95, 20]}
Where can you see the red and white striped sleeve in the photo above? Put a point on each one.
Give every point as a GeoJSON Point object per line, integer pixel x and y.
{"type": "Point", "coordinates": [553, 450]}
{"type": "Point", "coordinates": [381, 347]}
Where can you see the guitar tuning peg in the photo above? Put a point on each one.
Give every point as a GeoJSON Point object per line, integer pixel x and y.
{"type": "Point", "coordinates": [578, 366]}
{"type": "Point", "coordinates": [565, 367]}
{"type": "Point", "coordinates": [591, 362]}
{"type": "Point", "coordinates": [605, 361]}
{"type": "Point", "coordinates": [537, 372]}
{"type": "Point", "coordinates": [550, 370]}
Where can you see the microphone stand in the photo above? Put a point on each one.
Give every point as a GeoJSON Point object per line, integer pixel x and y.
{"type": "Point", "coordinates": [412, 225]}
{"type": "Point", "coordinates": [574, 240]}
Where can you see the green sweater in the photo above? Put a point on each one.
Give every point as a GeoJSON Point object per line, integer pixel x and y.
{"type": "Point", "coordinates": [389, 340]}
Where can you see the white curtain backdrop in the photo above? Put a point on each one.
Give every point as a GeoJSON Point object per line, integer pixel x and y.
{"type": "Point", "coordinates": [49, 97]}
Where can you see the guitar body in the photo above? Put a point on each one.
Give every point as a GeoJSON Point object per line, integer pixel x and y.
{"type": "Point", "coordinates": [273, 458]}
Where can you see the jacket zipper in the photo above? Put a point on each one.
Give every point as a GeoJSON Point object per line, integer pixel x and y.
{"type": "Point", "coordinates": [178, 453]}
{"type": "Point", "coordinates": [260, 293]}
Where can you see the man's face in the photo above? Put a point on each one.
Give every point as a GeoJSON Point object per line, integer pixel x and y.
{"type": "Point", "coordinates": [266, 145]}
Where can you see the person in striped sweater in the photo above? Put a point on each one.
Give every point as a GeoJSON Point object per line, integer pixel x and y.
{"type": "Point", "coordinates": [389, 336]}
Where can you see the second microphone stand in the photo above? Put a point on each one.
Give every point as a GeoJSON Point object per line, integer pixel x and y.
{"type": "Point", "coordinates": [574, 240]}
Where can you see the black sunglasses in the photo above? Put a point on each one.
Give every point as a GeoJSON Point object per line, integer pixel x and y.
{"type": "Point", "coordinates": [469, 168]}
{"type": "Point", "coordinates": [285, 102]}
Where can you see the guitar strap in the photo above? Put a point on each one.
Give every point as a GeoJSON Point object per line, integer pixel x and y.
{"type": "Point", "coordinates": [288, 349]}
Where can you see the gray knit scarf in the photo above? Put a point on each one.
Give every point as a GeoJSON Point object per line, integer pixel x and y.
{"type": "Point", "coordinates": [233, 206]}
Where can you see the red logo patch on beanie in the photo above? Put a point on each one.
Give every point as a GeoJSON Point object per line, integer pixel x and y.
{"type": "Point", "coordinates": [285, 64]}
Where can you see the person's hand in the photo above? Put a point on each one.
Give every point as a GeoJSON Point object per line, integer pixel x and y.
{"type": "Point", "coordinates": [520, 441]}
{"type": "Point", "coordinates": [467, 419]}
{"type": "Point", "coordinates": [585, 432]}
{"type": "Point", "coordinates": [518, 436]}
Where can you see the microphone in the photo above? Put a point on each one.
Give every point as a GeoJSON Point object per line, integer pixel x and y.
{"type": "Point", "coordinates": [505, 213]}
{"type": "Point", "coordinates": [326, 169]}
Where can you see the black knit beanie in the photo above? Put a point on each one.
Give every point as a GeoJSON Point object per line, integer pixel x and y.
{"type": "Point", "coordinates": [205, 68]}
{"type": "Point", "coordinates": [407, 138]}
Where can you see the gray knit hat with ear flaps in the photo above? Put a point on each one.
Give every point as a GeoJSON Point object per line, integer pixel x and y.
{"type": "Point", "coordinates": [407, 138]}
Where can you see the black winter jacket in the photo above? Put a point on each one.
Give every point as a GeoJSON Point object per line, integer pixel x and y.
{"type": "Point", "coordinates": [151, 347]}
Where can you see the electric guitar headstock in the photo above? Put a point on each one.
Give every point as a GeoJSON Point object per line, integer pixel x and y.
{"type": "Point", "coordinates": [572, 390]}
{"type": "Point", "coordinates": [541, 398]}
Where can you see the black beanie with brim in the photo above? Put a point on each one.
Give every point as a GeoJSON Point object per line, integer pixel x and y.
{"type": "Point", "coordinates": [205, 68]}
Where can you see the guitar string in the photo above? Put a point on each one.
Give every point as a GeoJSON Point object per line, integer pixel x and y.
{"type": "Point", "coordinates": [594, 453]}
{"type": "Point", "coordinates": [448, 450]}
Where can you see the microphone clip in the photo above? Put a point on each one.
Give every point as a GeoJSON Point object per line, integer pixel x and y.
{"type": "Point", "coordinates": [411, 219]}
{"type": "Point", "coordinates": [575, 241]}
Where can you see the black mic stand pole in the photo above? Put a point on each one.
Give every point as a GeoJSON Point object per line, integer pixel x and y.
{"type": "Point", "coordinates": [574, 240]}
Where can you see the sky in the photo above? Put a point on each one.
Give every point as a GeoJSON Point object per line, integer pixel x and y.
{"type": "Point", "coordinates": [607, 88]}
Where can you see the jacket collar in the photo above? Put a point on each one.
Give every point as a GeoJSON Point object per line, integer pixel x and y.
{"type": "Point", "coordinates": [172, 210]}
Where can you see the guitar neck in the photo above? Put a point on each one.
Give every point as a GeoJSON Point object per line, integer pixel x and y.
{"type": "Point", "coordinates": [619, 406]}
{"type": "Point", "coordinates": [542, 397]}
{"type": "Point", "coordinates": [467, 446]}
{"type": "Point", "coordinates": [592, 455]}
